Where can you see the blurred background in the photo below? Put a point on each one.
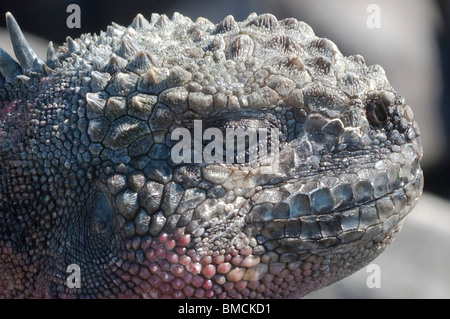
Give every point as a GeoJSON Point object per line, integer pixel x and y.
{"type": "Point", "coordinates": [413, 46]}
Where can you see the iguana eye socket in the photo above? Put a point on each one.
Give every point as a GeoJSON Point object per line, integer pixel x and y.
{"type": "Point", "coordinates": [376, 113]}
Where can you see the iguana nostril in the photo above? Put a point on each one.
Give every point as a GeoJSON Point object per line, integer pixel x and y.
{"type": "Point", "coordinates": [376, 113]}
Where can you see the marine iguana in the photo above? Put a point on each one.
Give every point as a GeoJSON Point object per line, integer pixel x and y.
{"type": "Point", "coordinates": [87, 174]}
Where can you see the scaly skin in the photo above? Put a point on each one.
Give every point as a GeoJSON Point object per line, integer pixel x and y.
{"type": "Point", "coordinates": [87, 175]}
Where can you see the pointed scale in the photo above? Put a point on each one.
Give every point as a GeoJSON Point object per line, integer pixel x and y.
{"type": "Point", "coordinates": [27, 58]}
{"type": "Point", "coordinates": [51, 59]}
{"type": "Point", "coordinates": [9, 68]}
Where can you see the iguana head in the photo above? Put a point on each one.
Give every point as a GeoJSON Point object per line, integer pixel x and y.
{"type": "Point", "coordinates": [174, 158]}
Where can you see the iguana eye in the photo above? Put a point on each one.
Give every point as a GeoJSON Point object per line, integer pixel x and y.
{"type": "Point", "coordinates": [376, 113]}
